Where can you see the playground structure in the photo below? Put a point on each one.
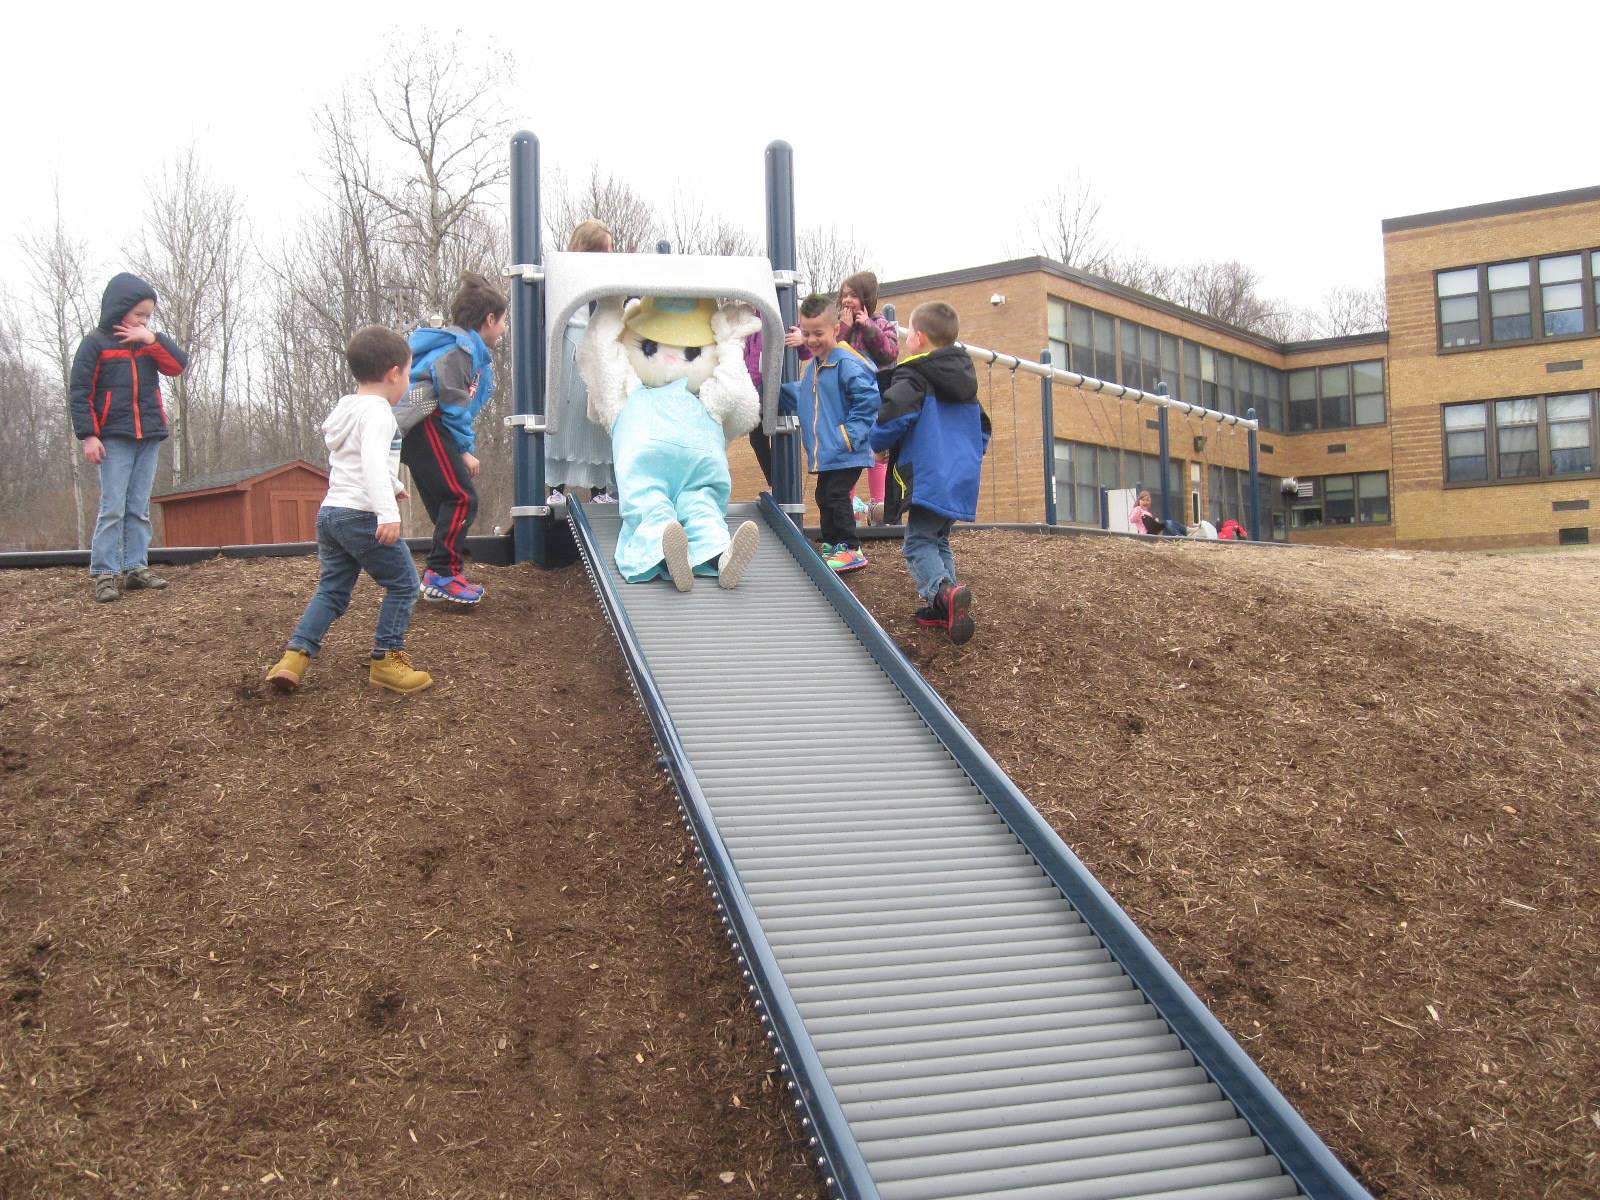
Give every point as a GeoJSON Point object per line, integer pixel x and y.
{"type": "Point", "coordinates": [958, 1007]}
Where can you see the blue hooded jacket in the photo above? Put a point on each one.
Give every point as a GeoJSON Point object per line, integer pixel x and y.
{"type": "Point", "coordinates": [836, 402]}
{"type": "Point", "coordinates": [463, 382]}
{"type": "Point", "coordinates": [931, 413]}
{"type": "Point", "coordinates": [116, 385]}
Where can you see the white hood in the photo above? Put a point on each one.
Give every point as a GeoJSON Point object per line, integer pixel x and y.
{"type": "Point", "coordinates": [358, 433]}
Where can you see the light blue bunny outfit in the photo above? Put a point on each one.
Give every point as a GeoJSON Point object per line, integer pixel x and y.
{"type": "Point", "coordinates": [672, 465]}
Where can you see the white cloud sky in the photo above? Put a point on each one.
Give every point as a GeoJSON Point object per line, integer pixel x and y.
{"type": "Point", "coordinates": [1276, 134]}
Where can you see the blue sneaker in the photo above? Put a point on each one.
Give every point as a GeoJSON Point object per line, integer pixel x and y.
{"type": "Point", "coordinates": [452, 588]}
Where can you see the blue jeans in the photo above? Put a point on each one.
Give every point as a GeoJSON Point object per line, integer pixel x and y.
{"type": "Point", "coordinates": [347, 543]}
{"type": "Point", "coordinates": [927, 546]}
{"type": "Point", "coordinates": [122, 530]}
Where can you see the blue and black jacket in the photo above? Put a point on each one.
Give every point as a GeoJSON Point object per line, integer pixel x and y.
{"type": "Point", "coordinates": [116, 386]}
{"type": "Point", "coordinates": [836, 401]}
{"type": "Point", "coordinates": [931, 415]}
{"type": "Point", "coordinates": [461, 368]}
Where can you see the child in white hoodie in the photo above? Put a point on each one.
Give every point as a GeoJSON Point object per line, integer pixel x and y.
{"type": "Point", "coordinates": [358, 526]}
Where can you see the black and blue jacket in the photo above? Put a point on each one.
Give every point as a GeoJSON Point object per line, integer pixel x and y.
{"type": "Point", "coordinates": [931, 415]}
{"type": "Point", "coordinates": [116, 386]}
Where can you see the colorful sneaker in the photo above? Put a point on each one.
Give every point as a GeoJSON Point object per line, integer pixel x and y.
{"type": "Point", "coordinates": [395, 672]}
{"type": "Point", "coordinates": [846, 558]}
{"type": "Point", "coordinates": [737, 557]}
{"type": "Point", "coordinates": [289, 671]}
{"type": "Point", "coordinates": [453, 588]}
{"type": "Point", "coordinates": [954, 606]}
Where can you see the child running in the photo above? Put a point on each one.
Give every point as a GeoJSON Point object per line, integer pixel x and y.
{"type": "Point", "coordinates": [932, 416]}
{"type": "Point", "coordinates": [439, 448]}
{"type": "Point", "coordinates": [836, 398]}
{"type": "Point", "coordinates": [358, 525]}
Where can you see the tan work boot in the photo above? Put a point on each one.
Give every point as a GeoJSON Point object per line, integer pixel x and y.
{"type": "Point", "coordinates": [395, 672]}
{"type": "Point", "coordinates": [290, 669]}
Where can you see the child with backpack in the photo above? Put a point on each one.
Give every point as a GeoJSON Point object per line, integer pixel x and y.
{"type": "Point", "coordinates": [456, 363]}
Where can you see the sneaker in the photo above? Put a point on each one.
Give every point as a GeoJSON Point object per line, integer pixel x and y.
{"type": "Point", "coordinates": [846, 558]}
{"type": "Point", "coordinates": [452, 588]}
{"type": "Point", "coordinates": [106, 589]}
{"type": "Point", "coordinates": [555, 498]}
{"type": "Point", "coordinates": [289, 671]}
{"type": "Point", "coordinates": [395, 672]}
{"type": "Point", "coordinates": [954, 605]}
{"type": "Point", "coordinates": [675, 550]}
{"type": "Point", "coordinates": [142, 577]}
{"type": "Point", "coordinates": [929, 617]}
{"type": "Point", "coordinates": [739, 554]}
{"type": "Point", "coordinates": [602, 498]}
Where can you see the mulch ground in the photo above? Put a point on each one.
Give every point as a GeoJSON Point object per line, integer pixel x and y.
{"type": "Point", "coordinates": [456, 944]}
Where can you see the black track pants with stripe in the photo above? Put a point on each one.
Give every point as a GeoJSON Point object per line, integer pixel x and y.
{"type": "Point", "coordinates": [442, 480]}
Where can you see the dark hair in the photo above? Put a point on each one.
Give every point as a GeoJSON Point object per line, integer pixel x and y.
{"type": "Point", "coordinates": [865, 285]}
{"type": "Point", "coordinates": [375, 351]}
{"type": "Point", "coordinates": [816, 304]}
{"type": "Point", "coordinates": [937, 322]}
{"type": "Point", "coordinates": [475, 301]}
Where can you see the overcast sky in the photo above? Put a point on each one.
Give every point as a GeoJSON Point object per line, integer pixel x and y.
{"type": "Point", "coordinates": [1276, 134]}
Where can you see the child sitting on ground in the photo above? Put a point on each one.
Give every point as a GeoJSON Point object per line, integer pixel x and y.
{"type": "Point", "coordinates": [358, 525]}
{"type": "Point", "coordinates": [439, 448]}
{"type": "Point", "coordinates": [931, 414]}
{"type": "Point", "coordinates": [836, 398]}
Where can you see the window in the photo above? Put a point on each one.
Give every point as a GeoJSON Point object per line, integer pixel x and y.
{"type": "Point", "coordinates": [1060, 353]}
{"type": "Point", "coordinates": [1302, 400]}
{"type": "Point", "coordinates": [1208, 378]}
{"type": "Point", "coordinates": [1504, 304]}
{"type": "Point", "coordinates": [1130, 354]}
{"type": "Point", "coordinates": [1105, 348]}
{"type": "Point", "coordinates": [1169, 363]}
{"type": "Point", "coordinates": [1466, 443]}
{"type": "Point", "coordinates": [1334, 383]}
{"type": "Point", "coordinates": [1191, 374]}
{"type": "Point", "coordinates": [1276, 415]}
{"type": "Point", "coordinates": [1368, 381]}
{"type": "Point", "coordinates": [1225, 389]}
{"type": "Point", "coordinates": [1458, 308]}
{"type": "Point", "coordinates": [1082, 341]}
{"type": "Point", "coordinates": [1521, 439]}
{"type": "Point", "coordinates": [1561, 294]}
{"type": "Point", "coordinates": [1148, 359]}
{"type": "Point", "coordinates": [1339, 500]}
{"type": "Point", "coordinates": [1083, 469]}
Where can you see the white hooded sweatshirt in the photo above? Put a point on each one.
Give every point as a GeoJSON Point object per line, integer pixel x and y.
{"type": "Point", "coordinates": [358, 432]}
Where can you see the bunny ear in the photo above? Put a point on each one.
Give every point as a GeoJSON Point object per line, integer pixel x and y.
{"type": "Point", "coordinates": [627, 309]}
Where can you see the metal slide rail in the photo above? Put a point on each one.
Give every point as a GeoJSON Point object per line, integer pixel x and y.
{"type": "Point", "coordinates": [960, 1009]}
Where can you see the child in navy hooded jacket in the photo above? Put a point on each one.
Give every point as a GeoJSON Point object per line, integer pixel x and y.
{"type": "Point", "coordinates": [931, 413]}
{"type": "Point", "coordinates": [118, 415]}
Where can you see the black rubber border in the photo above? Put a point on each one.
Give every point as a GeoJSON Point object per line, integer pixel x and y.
{"type": "Point", "coordinates": [1304, 1155]}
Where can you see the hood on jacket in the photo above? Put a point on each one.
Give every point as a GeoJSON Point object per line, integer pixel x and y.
{"type": "Point", "coordinates": [341, 424]}
{"type": "Point", "coordinates": [948, 373]}
{"type": "Point", "coordinates": [121, 295]}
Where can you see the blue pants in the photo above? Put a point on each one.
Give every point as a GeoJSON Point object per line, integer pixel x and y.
{"type": "Point", "coordinates": [927, 547]}
{"type": "Point", "coordinates": [672, 465]}
{"type": "Point", "coordinates": [347, 544]}
{"type": "Point", "coordinates": [122, 530]}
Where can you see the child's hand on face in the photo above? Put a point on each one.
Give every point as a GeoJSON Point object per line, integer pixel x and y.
{"type": "Point", "coordinates": [793, 339]}
{"type": "Point", "coordinates": [388, 533]}
{"type": "Point", "coordinates": [134, 333]}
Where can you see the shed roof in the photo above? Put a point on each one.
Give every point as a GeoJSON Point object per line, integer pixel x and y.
{"type": "Point", "coordinates": [218, 481]}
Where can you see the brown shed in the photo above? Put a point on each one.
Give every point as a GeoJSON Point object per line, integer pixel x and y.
{"type": "Point", "coordinates": [255, 505]}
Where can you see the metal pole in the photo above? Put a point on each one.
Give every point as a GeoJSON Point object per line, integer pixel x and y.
{"type": "Point", "coordinates": [663, 247]}
{"type": "Point", "coordinates": [527, 349]}
{"type": "Point", "coordinates": [1166, 458]}
{"type": "Point", "coordinates": [781, 251]}
{"type": "Point", "coordinates": [1048, 423]}
{"type": "Point", "coordinates": [1255, 482]}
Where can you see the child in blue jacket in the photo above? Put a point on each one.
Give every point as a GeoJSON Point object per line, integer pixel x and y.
{"type": "Point", "coordinates": [439, 449]}
{"type": "Point", "coordinates": [931, 412]}
{"type": "Point", "coordinates": [836, 399]}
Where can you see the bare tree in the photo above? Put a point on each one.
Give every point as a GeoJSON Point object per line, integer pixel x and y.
{"type": "Point", "coordinates": [1141, 273]}
{"type": "Point", "coordinates": [62, 312]}
{"type": "Point", "coordinates": [1348, 310]}
{"type": "Point", "coordinates": [827, 257]}
{"type": "Point", "coordinates": [600, 196]}
{"type": "Point", "coordinates": [692, 228]}
{"type": "Point", "coordinates": [1064, 225]}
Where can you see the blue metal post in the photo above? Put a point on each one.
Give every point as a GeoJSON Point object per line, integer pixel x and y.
{"type": "Point", "coordinates": [1255, 482]}
{"type": "Point", "coordinates": [1166, 458]}
{"type": "Point", "coordinates": [663, 247]}
{"type": "Point", "coordinates": [527, 349]}
{"type": "Point", "coordinates": [781, 251]}
{"type": "Point", "coordinates": [1047, 412]}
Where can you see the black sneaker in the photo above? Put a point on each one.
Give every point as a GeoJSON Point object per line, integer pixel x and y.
{"type": "Point", "coordinates": [929, 617]}
{"type": "Point", "coordinates": [106, 589]}
{"type": "Point", "coordinates": [955, 602]}
{"type": "Point", "coordinates": [143, 577]}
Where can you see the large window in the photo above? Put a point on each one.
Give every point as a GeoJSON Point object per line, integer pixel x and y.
{"type": "Point", "coordinates": [1084, 469]}
{"type": "Point", "coordinates": [1336, 397]}
{"type": "Point", "coordinates": [1523, 301]}
{"type": "Point", "coordinates": [1361, 499]}
{"type": "Point", "coordinates": [1526, 438]}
